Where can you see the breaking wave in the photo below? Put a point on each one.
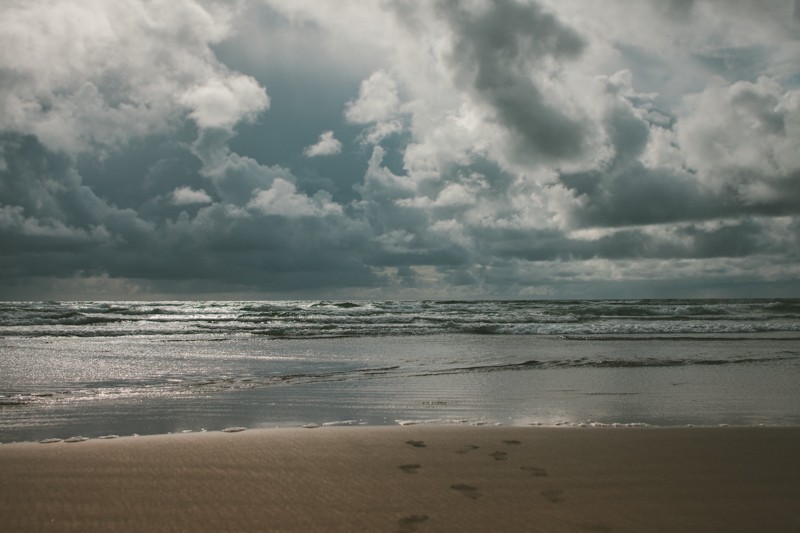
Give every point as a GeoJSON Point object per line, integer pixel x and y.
{"type": "Point", "coordinates": [325, 319]}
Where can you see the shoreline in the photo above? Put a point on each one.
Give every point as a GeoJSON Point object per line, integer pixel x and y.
{"type": "Point", "coordinates": [434, 423]}
{"type": "Point", "coordinates": [586, 426]}
{"type": "Point", "coordinates": [410, 478]}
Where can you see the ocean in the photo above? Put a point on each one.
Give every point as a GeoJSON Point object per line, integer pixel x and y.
{"type": "Point", "coordinates": [97, 369]}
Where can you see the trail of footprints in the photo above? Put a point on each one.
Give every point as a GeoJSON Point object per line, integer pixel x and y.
{"type": "Point", "coordinates": [410, 523]}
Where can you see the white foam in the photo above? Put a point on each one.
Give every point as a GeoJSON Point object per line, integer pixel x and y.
{"type": "Point", "coordinates": [234, 429]}
{"type": "Point", "coordinates": [76, 439]}
{"type": "Point", "coordinates": [108, 437]}
{"type": "Point", "coordinates": [344, 423]}
{"type": "Point", "coordinates": [440, 421]}
{"type": "Point", "coordinates": [50, 441]}
{"type": "Point", "coordinates": [590, 424]}
{"type": "Point", "coordinates": [310, 425]}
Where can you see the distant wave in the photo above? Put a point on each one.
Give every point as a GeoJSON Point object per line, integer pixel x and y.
{"type": "Point", "coordinates": [325, 319]}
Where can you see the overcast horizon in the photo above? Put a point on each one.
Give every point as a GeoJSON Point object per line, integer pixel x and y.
{"type": "Point", "coordinates": [351, 149]}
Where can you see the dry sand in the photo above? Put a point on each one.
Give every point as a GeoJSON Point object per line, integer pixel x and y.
{"type": "Point", "coordinates": [414, 478]}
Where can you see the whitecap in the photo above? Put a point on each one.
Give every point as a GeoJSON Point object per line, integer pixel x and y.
{"type": "Point", "coordinates": [344, 423]}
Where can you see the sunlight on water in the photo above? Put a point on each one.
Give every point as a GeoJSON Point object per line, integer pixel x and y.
{"type": "Point", "coordinates": [211, 365]}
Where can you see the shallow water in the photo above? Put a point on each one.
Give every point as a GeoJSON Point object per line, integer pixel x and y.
{"type": "Point", "coordinates": [125, 377]}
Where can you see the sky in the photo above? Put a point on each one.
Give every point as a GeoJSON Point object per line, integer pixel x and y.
{"type": "Point", "coordinates": [375, 149]}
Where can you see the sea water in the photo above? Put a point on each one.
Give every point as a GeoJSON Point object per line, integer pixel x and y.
{"type": "Point", "coordinates": [99, 368]}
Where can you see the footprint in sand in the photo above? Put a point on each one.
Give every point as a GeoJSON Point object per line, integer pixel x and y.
{"type": "Point", "coordinates": [409, 523]}
{"type": "Point", "coordinates": [553, 495]}
{"type": "Point", "coordinates": [499, 456]}
{"type": "Point", "coordinates": [535, 470]}
{"type": "Point", "coordinates": [467, 490]}
{"type": "Point", "coordinates": [468, 448]}
{"type": "Point", "coordinates": [512, 442]}
{"type": "Point", "coordinates": [410, 469]}
{"type": "Point", "coordinates": [416, 443]}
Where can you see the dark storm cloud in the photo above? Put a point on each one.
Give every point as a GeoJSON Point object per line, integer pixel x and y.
{"type": "Point", "coordinates": [629, 192]}
{"type": "Point", "coordinates": [691, 241]}
{"type": "Point", "coordinates": [268, 252]}
{"type": "Point", "coordinates": [52, 224]}
{"type": "Point", "coordinates": [496, 50]}
{"type": "Point", "coordinates": [680, 9]}
{"type": "Point", "coordinates": [48, 190]}
{"type": "Point", "coordinates": [626, 192]}
{"type": "Point", "coordinates": [511, 148]}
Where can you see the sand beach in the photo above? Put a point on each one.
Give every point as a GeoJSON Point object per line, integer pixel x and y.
{"type": "Point", "coordinates": [414, 478]}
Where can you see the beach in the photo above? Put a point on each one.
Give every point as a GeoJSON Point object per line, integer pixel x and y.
{"type": "Point", "coordinates": [412, 478]}
{"type": "Point", "coordinates": [400, 416]}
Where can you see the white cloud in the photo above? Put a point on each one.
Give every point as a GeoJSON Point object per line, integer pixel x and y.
{"type": "Point", "coordinates": [453, 195]}
{"type": "Point", "coordinates": [451, 231]}
{"type": "Point", "coordinates": [377, 107]}
{"type": "Point", "coordinates": [516, 144]}
{"type": "Point", "coordinates": [282, 199]}
{"type": "Point", "coordinates": [95, 74]}
{"type": "Point", "coordinates": [221, 103]}
{"type": "Point", "coordinates": [234, 176]}
{"type": "Point", "coordinates": [377, 100]}
{"type": "Point", "coordinates": [327, 145]}
{"type": "Point", "coordinates": [189, 196]}
{"type": "Point", "coordinates": [749, 126]}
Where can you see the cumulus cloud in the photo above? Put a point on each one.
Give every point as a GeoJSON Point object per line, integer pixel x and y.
{"type": "Point", "coordinates": [222, 103]}
{"type": "Point", "coordinates": [377, 100]}
{"type": "Point", "coordinates": [742, 139]}
{"type": "Point", "coordinates": [498, 52]}
{"type": "Point", "coordinates": [377, 105]}
{"type": "Point", "coordinates": [326, 145]}
{"type": "Point", "coordinates": [283, 199]}
{"type": "Point", "coordinates": [508, 148]}
{"type": "Point", "coordinates": [546, 99]}
{"type": "Point", "coordinates": [86, 75]}
{"type": "Point", "coordinates": [189, 196]}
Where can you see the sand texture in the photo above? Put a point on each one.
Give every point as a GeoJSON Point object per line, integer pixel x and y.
{"type": "Point", "coordinates": [405, 479]}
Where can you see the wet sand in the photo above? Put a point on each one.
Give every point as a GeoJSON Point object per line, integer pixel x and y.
{"type": "Point", "coordinates": [414, 478]}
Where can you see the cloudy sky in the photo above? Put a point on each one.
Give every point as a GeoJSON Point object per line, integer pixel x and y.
{"type": "Point", "coordinates": [399, 149]}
